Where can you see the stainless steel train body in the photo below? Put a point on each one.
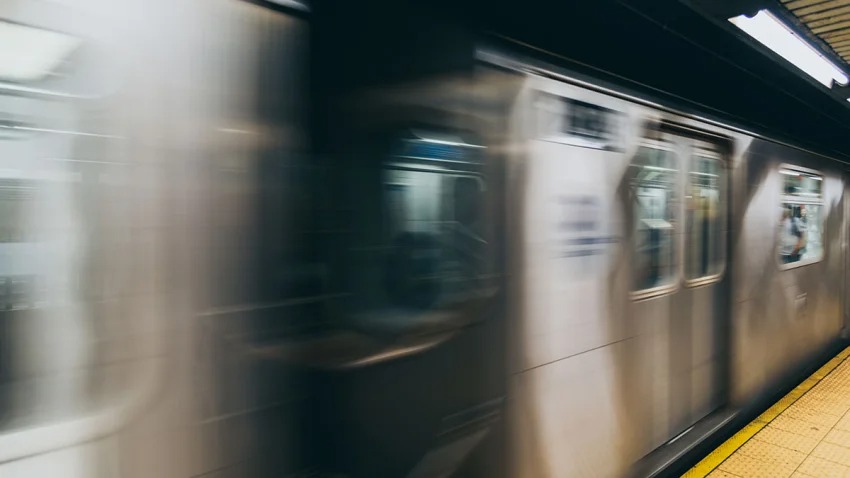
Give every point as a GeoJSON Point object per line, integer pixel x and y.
{"type": "Point", "coordinates": [513, 271]}
{"type": "Point", "coordinates": [610, 365]}
{"type": "Point", "coordinates": [643, 268]}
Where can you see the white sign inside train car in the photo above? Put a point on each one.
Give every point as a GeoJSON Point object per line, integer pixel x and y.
{"type": "Point", "coordinates": [575, 122]}
{"type": "Point", "coordinates": [580, 230]}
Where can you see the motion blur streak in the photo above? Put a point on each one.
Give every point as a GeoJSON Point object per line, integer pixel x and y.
{"type": "Point", "coordinates": [127, 206]}
{"type": "Point", "coordinates": [254, 239]}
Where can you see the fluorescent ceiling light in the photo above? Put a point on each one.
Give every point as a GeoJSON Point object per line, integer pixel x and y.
{"type": "Point", "coordinates": [29, 54]}
{"type": "Point", "coordinates": [774, 34]}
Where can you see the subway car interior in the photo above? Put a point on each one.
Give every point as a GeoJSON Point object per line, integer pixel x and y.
{"type": "Point", "coordinates": [447, 239]}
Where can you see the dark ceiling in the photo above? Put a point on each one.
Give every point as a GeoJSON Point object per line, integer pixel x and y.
{"type": "Point", "coordinates": [681, 51]}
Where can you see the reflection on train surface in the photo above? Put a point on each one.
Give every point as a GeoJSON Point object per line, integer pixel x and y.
{"type": "Point", "coordinates": [508, 270]}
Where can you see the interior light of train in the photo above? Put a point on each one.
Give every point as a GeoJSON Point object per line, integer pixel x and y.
{"type": "Point", "coordinates": [774, 34]}
{"type": "Point", "coordinates": [449, 143]}
{"type": "Point", "coordinates": [657, 224]}
{"type": "Point", "coordinates": [58, 131]}
{"type": "Point", "coordinates": [446, 140]}
{"type": "Point", "coordinates": [29, 54]}
{"type": "Point", "coordinates": [788, 173]}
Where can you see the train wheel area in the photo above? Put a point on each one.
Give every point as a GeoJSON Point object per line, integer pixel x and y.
{"type": "Point", "coordinates": [806, 433]}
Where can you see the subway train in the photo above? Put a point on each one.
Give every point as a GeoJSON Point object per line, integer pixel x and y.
{"type": "Point", "coordinates": [520, 268]}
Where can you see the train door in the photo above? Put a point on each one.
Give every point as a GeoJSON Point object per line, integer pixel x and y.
{"type": "Point", "coordinates": [422, 395]}
{"type": "Point", "coordinates": [412, 381]}
{"type": "Point", "coordinates": [44, 346]}
{"type": "Point", "coordinates": [680, 289]}
{"type": "Point", "coordinates": [567, 336]}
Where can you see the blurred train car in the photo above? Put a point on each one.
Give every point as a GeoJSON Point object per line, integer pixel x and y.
{"type": "Point", "coordinates": [658, 271]}
{"type": "Point", "coordinates": [655, 280]}
{"type": "Point", "coordinates": [464, 261]}
{"type": "Point", "coordinates": [133, 139]}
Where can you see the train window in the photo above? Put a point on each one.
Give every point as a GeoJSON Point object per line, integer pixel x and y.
{"type": "Point", "coordinates": [800, 230]}
{"type": "Point", "coordinates": [433, 218]}
{"type": "Point", "coordinates": [15, 252]}
{"type": "Point", "coordinates": [588, 121]}
{"type": "Point", "coordinates": [654, 189]}
{"type": "Point", "coordinates": [13, 202]}
{"type": "Point", "coordinates": [706, 180]}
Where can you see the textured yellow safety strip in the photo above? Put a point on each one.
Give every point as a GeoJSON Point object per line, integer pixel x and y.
{"type": "Point", "coordinates": [724, 451]}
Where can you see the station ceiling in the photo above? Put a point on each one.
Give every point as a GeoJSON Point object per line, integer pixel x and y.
{"type": "Point", "coordinates": [685, 52]}
{"type": "Point", "coordinates": [689, 50]}
{"type": "Point", "coordinates": [829, 20]}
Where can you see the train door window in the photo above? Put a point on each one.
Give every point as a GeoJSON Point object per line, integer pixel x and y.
{"type": "Point", "coordinates": [654, 192]}
{"type": "Point", "coordinates": [16, 241]}
{"type": "Point", "coordinates": [434, 222]}
{"type": "Point", "coordinates": [800, 221]}
{"type": "Point", "coordinates": [13, 201]}
{"type": "Point", "coordinates": [704, 219]}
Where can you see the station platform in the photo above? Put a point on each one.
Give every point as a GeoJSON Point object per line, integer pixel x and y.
{"type": "Point", "coordinates": [805, 434]}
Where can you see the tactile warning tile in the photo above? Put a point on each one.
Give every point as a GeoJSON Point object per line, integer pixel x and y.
{"type": "Point", "coordinates": [722, 474]}
{"type": "Point", "coordinates": [819, 419]}
{"type": "Point", "coordinates": [785, 439]}
{"type": "Point", "coordinates": [806, 434]}
{"type": "Point", "coordinates": [764, 451]}
{"type": "Point", "coordinates": [747, 466]}
{"type": "Point", "coordinates": [800, 427]}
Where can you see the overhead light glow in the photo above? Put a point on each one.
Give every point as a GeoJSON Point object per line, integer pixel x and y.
{"type": "Point", "coordinates": [449, 143]}
{"type": "Point", "coordinates": [29, 54]}
{"type": "Point", "coordinates": [448, 140]}
{"type": "Point", "coordinates": [774, 34]}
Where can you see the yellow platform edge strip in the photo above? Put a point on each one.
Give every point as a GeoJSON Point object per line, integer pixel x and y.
{"type": "Point", "coordinates": [730, 446]}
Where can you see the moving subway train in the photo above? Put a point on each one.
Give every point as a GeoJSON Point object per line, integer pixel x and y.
{"type": "Point", "coordinates": [516, 268]}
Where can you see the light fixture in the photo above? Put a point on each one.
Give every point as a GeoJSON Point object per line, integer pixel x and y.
{"type": "Point", "coordinates": [774, 34]}
{"type": "Point", "coordinates": [446, 140]}
{"type": "Point", "coordinates": [29, 54]}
